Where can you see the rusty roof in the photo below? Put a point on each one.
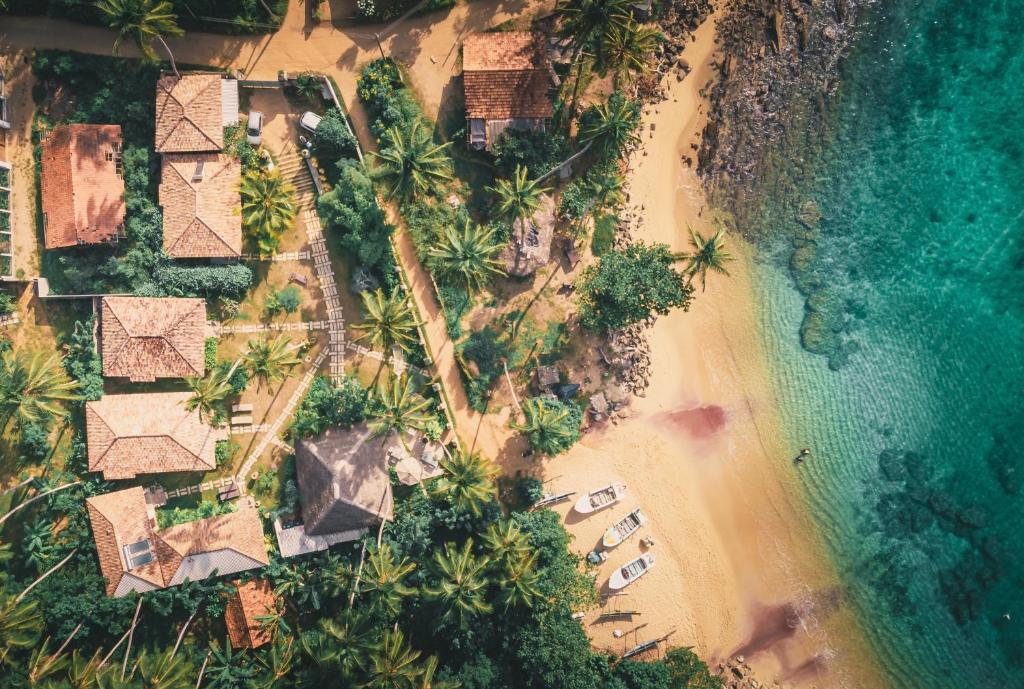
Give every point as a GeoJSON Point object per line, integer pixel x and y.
{"type": "Point", "coordinates": [120, 519]}
{"type": "Point", "coordinates": [250, 601]}
{"type": "Point", "coordinates": [506, 75]}
{"type": "Point", "coordinates": [145, 338]}
{"type": "Point", "coordinates": [148, 433]}
{"type": "Point", "coordinates": [81, 185]}
{"type": "Point", "coordinates": [188, 113]}
{"type": "Point", "coordinates": [200, 201]}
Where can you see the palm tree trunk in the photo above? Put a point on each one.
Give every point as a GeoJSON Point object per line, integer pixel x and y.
{"type": "Point", "coordinates": [202, 669]}
{"type": "Point", "coordinates": [44, 575]}
{"type": "Point", "coordinates": [174, 66]}
{"type": "Point", "coordinates": [131, 635]}
{"type": "Point", "coordinates": [181, 634]}
{"type": "Point", "coordinates": [511, 388]}
{"type": "Point", "coordinates": [31, 500]}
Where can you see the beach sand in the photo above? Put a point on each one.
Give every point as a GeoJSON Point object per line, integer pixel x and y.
{"type": "Point", "coordinates": [737, 569]}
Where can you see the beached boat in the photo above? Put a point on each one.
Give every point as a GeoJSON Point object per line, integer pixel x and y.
{"type": "Point", "coordinates": [631, 571]}
{"type": "Point", "coordinates": [599, 499]}
{"type": "Point", "coordinates": [624, 528]}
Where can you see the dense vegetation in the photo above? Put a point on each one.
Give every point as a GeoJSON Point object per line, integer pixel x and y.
{"type": "Point", "coordinates": [105, 90]}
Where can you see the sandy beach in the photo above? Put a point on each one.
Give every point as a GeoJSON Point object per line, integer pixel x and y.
{"type": "Point", "coordinates": [704, 456]}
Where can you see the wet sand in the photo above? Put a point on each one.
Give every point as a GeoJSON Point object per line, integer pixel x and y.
{"type": "Point", "coordinates": [704, 455]}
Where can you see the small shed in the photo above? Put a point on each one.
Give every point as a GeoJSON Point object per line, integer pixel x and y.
{"type": "Point", "coordinates": [530, 247]}
{"type": "Point", "coordinates": [546, 376]}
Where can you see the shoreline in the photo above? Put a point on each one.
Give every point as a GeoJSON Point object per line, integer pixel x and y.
{"type": "Point", "coordinates": [739, 569]}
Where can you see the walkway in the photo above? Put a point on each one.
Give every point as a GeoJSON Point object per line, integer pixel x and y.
{"type": "Point", "coordinates": [325, 274]}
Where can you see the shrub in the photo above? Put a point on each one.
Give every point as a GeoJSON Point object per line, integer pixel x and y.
{"type": "Point", "coordinates": [232, 281]}
{"type": "Point", "coordinates": [7, 303]}
{"type": "Point", "coordinates": [485, 349]}
{"type": "Point", "coordinates": [327, 404]}
{"type": "Point", "coordinates": [351, 210]}
{"type": "Point", "coordinates": [332, 139]}
{"type": "Point", "coordinates": [287, 300]}
{"type": "Point", "coordinates": [210, 353]}
{"type": "Point", "coordinates": [239, 380]}
{"type": "Point", "coordinates": [82, 362]}
{"type": "Point", "coordinates": [629, 285]}
{"type": "Point", "coordinates": [308, 84]}
{"type": "Point", "coordinates": [538, 151]}
{"type": "Point", "coordinates": [576, 200]}
{"type": "Point", "coordinates": [225, 452]}
{"type": "Point", "coordinates": [604, 233]}
{"type": "Point", "coordinates": [687, 671]}
{"type": "Point", "coordinates": [236, 145]}
{"type": "Point", "coordinates": [34, 443]}
{"type": "Point", "coordinates": [456, 301]}
{"type": "Point", "coordinates": [183, 515]}
{"type": "Point", "coordinates": [389, 103]}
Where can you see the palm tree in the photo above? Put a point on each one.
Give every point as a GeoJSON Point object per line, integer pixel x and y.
{"type": "Point", "coordinates": [337, 650]}
{"type": "Point", "coordinates": [165, 670]}
{"type": "Point", "coordinates": [427, 681]}
{"type": "Point", "coordinates": [32, 388]}
{"type": "Point", "coordinates": [270, 360]}
{"type": "Point", "coordinates": [518, 581]}
{"type": "Point", "coordinates": [468, 482]}
{"type": "Point", "coordinates": [277, 665]}
{"type": "Point", "coordinates": [268, 207]}
{"type": "Point", "coordinates": [37, 543]}
{"type": "Point", "coordinates": [225, 668]}
{"type": "Point", "coordinates": [468, 256]}
{"type": "Point", "coordinates": [505, 541]}
{"type": "Point", "coordinates": [606, 188]}
{"type": "Point", "coordinates": [142, 22]}
{"type": "Point", "coordinates": [410, 162]}
{"type": "Point", "coordinates": [587, 24]}
{"type": "Point", "coordinates": [628, 49]}
{"type": "Point", "coordinates": [20, 626]}
{"type": "Point", "coordinates": [518, 197]}
{"type": "Point", "coordinates": [384, 577]}
{"type": "Point", "coordinates": [209, 392]}
{"type": "Point", "coordinates": [548, 427]}
{"type": "Point", "coordinates": [461, 583]}
{"type": "Point", "coordinates": [708, 254]}
{"type": "Point", "coordinates": [393, 665]}
{"type": "Point", "coordinates": [399, 407]}
{"type": "Point", "coordinates": [613, 125]}
{"type": "Point", "coordinates": [389, 321]}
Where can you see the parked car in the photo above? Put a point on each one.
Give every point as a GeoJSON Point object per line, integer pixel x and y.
{"type": "Point", "coordinates": [310, 121]}
{"type": "Point", "coordinates": [253, 130]}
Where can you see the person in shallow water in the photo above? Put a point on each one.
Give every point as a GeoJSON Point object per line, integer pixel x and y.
{"type": "Point", "coordinates": [804, 454]}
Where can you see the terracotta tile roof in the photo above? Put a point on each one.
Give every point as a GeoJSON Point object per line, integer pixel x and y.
{"type": "Point", "coordinates": [188, 113]}
{"type": "Point", "coordinates": [81, 184]}
{"type": "Point", "coordinates": [119, 519]}
{"type": "Point", "coordinates": [200, 201]}
{"type": "Point", "coordinates": [506, 75]}
{"type": "Point", "coordinates": [148, 433]}
{"type": "Point", "coordinates": [251, 600]}
{"type": "Point", "coordinates": [145, 338]}
{"type": "Point", "coordinates": [122, 523]}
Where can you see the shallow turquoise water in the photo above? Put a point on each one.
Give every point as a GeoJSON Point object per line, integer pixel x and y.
{"type": "Point", "coordinates": [912, 400]}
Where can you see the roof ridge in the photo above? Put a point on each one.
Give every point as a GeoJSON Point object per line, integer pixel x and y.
{"type": "Point", "coordinates": [99, 460]}
{"type": "Point", "coordinates": [127, 339]}
{"type": "Point", "coordinates": [174, 326]}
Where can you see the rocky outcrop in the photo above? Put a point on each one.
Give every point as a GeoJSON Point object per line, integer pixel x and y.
{"type": "Point", "coordinates": [630, 356]}
{"type": "Point", "coordinates": [737, 674]}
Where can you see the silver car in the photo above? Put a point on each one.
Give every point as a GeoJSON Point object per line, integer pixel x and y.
{"type": "Point", "coordinates": [253, 130]}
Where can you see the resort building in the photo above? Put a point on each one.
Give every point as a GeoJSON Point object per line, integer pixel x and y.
{"type": "Point", "coordinates": [201, 207]}
{"type": "Point", "coordinates": [251, 601]}
{"type": "Point", "coordinates": [145, 338]}
{"type": "Point", "coordinates": [192, 111]}
{"type": "Point", "coordinates": [81, 185]}
{"type": "Point", "coordinates": [148, 433]}
{"type": "Point", "coordinates": [530, 245]}
{"type": "Point", "coordinates": [343, 481]}
{"type": "Point", "coordinates": [507, 78]}
{"type": "Point", "coordinates": [135, 555]}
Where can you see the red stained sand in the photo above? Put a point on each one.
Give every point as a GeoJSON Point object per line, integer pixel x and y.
{"type": "Point", "coordinates": [700, 422]}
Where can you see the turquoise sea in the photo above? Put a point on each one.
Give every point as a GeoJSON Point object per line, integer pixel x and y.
{"type": "Point", "coordinates": [895, 325]}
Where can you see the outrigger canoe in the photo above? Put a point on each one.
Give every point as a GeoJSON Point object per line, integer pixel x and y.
{"type": "Point", "coordinates": [624, 528]}
{"type": "Point", "coordinates": [599, 499]}
{"type": "Point", "coordinates": [631, 571]}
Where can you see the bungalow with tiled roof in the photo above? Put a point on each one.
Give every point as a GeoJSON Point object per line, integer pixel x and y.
{"type": "Point", "coordinates": [145, 338]}
{"type": "Point", "coordinates": [192, 111]}
{"type": "Point", "coordinates": [81, 185]}
{"type": "Point", "coordinates": [135, 555]}
{"type": "Point", "coordinates": [148, 433]}
{"type": "Point", "coordinates": [250, 601]}
{"type": "Point", "coordinates": [507, 77]}
{"type": "Point", "coordinates": [200, 202]}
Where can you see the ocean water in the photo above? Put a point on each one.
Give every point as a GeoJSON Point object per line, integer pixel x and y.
{"type": "Point", "coordinates": [893, 311]}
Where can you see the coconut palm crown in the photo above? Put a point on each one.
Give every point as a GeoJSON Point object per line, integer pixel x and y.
{"type": "Point", "coordinates": [142, 22]}
{"type": "Point", "coordinates": [468, 256]}
{"type": "Point", "coordinates": [268, 208]}
{"type": "Point", "coordinates": [33, 388]}
{"type": "Point", "coordinates": [410, 163]}
{"type": "Point", "coordinates": [518, 197]}
{"type": "Point", "coordinates": [708, 254]}
{"type": "Point", "coordinates": [390, 321]}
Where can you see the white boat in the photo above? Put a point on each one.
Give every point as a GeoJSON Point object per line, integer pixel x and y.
{"type": "Point", "coordinates": [631, 571]}
{"type": "Point", "coordinates": [624, 528]}
{"type": "Point", "coordinates": [599, 499]}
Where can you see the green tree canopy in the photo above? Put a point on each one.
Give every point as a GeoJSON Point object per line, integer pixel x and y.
{"type": "Point", "coordinates": [350, 209]}
{"type": "Point", "coordinates": [629, 285]}
{"type": "Point", "coordinates": [410, 163]}
{"type": "Point", "coordinates": [551, 426]}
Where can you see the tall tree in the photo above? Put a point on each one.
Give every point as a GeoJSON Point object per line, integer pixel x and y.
{"type": "Point", "coordinates": [384, 579]}
{"type": "Point", "coordinates": [20, 626]}
{"type": "Point", "coordinates": [142, 22]}
{"type": "Point", "coordinates": [32, 389]}
{"type": "Point", "coordinates": [338, 649]}
{"type": "Point", "coordinates": [587, 24]}
{"type": "Point", "coordinates": [468, 482]}
{"type": "Point", "coordinates": [505, 541]}
{"type": "Point", "coordinates": [164, 670]}
{"type": "Point", "coordinates": [393, 665]}
{"type": "Point", "coordinates": [268, 207]}
{"type": "Point", "coordinates": [708, 254]}
{"type": "Point", "coordinates": [549, 425]}
{"type": "Point", "coordinates": [628, 50]}
{"type": "Point", "coordinates": [209, 392]}
{"type": "Point", "coordinates": [269, 361]}
{"type": "Point", "coordinates": [611, 125]}
{"type": "Point", "coordinates": [398, 407]}
{"type": "Point", "coordinates": [390, 321]}
{"type": "Point", "coordinates": [461, 583]}
{"type": "Point", "coordinates": [519, 197]}
{"type": "Point", "coordinates": [518, 581]}
{"type": "Point", "coordinates": [427, 680]}
{"type": "Point", "coordinates": [410, 163]}
{"type": "Point", "coordinates": [468, 256]}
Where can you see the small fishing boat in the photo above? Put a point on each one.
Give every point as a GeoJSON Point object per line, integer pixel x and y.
{"type": "Point", "coordinates": [624, 528]}
{"type": "Point", "coordinates": [631, 571]}
{"type": "Point", "coordinates": [599, 499]}
{"type": "Point", "coordinates": [549, 499]}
